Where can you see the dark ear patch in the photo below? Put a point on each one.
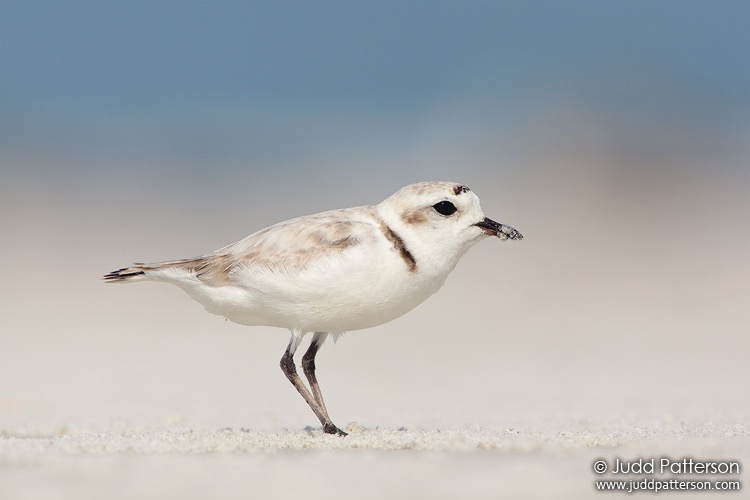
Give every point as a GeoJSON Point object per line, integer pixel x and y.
{"type": "Point", "coordinates": [414, 217]}
{"type": "Point", "coordinates": [458, 189]}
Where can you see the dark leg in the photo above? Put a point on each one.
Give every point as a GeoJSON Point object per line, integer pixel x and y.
{"type": "Point", "coordinates": [308, 366]}
{"type": "Point", "coordinates": [287, 366]}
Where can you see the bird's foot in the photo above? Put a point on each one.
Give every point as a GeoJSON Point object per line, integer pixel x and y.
{"type": "Point", "coordinates": [329, 428]}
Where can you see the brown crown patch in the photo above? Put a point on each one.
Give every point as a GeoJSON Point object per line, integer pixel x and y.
{"type": "Point", "coordinates": [458, 189]}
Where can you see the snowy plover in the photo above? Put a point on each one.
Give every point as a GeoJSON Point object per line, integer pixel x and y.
{"type": "Point", "coordinates": [334, 271]}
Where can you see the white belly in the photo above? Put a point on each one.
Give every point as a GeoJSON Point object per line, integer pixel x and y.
{"type": "Point", "coordinates": [351, 293]}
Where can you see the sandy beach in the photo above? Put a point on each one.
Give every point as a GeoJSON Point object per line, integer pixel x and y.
{"type": "Point", "coordinates": [554, 461]}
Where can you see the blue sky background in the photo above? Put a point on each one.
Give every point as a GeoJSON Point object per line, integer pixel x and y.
{"type": "Point", "coordinates": [275, 89]}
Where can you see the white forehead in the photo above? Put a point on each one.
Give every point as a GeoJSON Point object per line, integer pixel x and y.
{"type": "Point", "coordinates": [424, 194]}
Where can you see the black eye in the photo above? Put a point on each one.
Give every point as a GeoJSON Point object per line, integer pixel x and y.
{"type": "Point", "coordinates": [445, 208]}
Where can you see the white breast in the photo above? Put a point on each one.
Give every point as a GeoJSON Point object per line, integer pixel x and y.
{"type": "Point", "coordinates": [362, 286]}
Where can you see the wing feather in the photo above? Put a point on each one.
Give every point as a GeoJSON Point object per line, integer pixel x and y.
{"type": "Point", "coordinates": [282, 249]}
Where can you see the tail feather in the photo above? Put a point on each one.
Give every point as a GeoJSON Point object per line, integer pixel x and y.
{"type": "Point", "coordinates": [139, 270]}
{"type": "Point", "coordinates": [125, 274]}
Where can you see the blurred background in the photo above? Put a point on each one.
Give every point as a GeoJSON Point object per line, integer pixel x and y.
{"type": "Point", "coordinates": [614, 135]}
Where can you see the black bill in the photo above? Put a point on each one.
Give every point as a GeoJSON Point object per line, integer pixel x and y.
{"type": "Point", "coordinates": [502, 231]}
